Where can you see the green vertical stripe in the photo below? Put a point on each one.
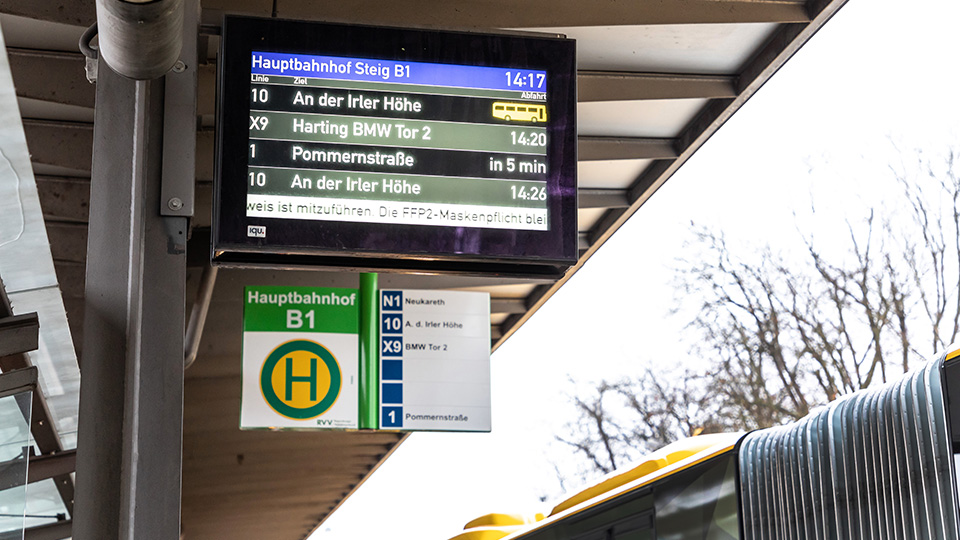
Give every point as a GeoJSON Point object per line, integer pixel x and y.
{"type": "Point", "coordinates": [369, 353]}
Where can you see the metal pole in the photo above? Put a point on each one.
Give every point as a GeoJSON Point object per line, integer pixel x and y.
{"type": "Point", "coordinates": [131, 395]}
{"type": "Point", "coordinates": [198, 316]}
{"type": "Point", "coordinates": [369, 353]}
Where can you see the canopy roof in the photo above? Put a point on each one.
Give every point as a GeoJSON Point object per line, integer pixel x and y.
{"type": "Point", "coordinates": [656, 80]}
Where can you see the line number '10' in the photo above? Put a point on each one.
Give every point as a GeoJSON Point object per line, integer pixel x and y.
{"type": "Point", "coordinates": [259, 95]}
{"type": "Point", "coordinates": [258, 179]}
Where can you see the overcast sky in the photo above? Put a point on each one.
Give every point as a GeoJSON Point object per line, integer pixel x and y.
{"type": "Point", "coordinates": [819, 129]}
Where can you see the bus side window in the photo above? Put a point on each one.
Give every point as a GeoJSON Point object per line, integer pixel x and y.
{"type": "Point", "coordinates": [498, 108]}
{"type": "Point", "coordinates": [524, 109]}
{"type": "Point", "coordinates": [510, 108]}
{"type": "Point", "coordinates": [701, 498]}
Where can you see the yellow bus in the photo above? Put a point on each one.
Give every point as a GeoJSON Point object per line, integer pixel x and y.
{"type": "Point", "coordinates": [520, 112]}
{"type": "Point", "coordinates": [881, 463]}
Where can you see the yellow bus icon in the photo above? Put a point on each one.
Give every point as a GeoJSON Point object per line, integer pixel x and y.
{"type": "Point", "coordinates": [521, 112]}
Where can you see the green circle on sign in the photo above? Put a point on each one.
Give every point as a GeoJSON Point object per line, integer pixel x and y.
{"type": "Point", "coordinates": [270, 394]}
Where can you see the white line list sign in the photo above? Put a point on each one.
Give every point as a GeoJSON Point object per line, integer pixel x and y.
{"type": "Point", "coordinates": [434, 360]}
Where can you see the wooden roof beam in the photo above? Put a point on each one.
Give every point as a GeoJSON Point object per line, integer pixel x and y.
{"type": "Point", "coordinates": [51, 76]}
{"type": "Point", "coordinates": [591, 148]}
{"type": "Point", "coordinates": [67, 145]}
{"type": "Point", "coordinates": [534, 13]}
{"type": "Point", "coordinates": [602, 198]}
{"type": "Point", "coordinates": [60, 78]}
{"type": "Point", "coordinates": [74, 12]}
{"type": "Point", "coordinates": [467, 14]}
{"type": "Point", "coordinates": [630, 86]}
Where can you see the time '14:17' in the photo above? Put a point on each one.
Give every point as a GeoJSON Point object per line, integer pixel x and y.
{"type": "Point", "coordinates": [526, 80]}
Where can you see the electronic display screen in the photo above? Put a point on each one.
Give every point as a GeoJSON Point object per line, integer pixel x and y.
{"type": "Point", "coordinates": [395, 149]}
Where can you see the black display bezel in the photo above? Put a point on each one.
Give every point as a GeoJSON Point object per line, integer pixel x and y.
{"type": "Point", "coordinates": [390, 247]}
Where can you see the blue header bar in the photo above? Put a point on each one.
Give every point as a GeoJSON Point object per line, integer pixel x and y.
{"type": "Point", "coordinates": [363, 69]}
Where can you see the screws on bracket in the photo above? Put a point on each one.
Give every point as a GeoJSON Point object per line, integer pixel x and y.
{"type": "Point", "coordinates": [175, 203]}
{"type": "Point", "coordinates": [179, 67]}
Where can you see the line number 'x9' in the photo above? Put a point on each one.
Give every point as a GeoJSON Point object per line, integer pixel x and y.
{"type": "Point", "coordinates": [259, 123]}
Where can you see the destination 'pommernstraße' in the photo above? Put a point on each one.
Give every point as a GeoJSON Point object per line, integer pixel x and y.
{"type": "Point", "coordinates": [377, 141]}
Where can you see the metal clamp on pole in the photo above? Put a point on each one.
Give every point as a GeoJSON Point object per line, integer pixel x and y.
{"type": "Point", "coordinates": [140, 40]}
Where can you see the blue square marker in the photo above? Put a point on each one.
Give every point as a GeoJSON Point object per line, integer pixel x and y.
{"type": "Point", "coordinates": [392, 417]}
{"type": "Point", "coordinates": [392, 370]}
{"type": "Point", "coordinates": [391, 393]}
{"type": "Point", "coordinates": [391, 346]}
{"type": "Point", "coordinates": [391, 300]}
{"type": "Point", "coordinates": [391, 323]}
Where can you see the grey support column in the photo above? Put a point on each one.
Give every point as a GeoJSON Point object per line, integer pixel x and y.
{"type": "Point", "coordinates": [131, 394]}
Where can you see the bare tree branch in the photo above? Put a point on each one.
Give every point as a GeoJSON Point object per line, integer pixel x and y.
{"type": "Point", "coordinates": [786, 334]}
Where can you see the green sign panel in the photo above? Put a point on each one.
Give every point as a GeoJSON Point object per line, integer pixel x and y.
{"type": "Point", "coordinates": [300, 358]}
{"type": "Point", "coordinates": [300, 309]}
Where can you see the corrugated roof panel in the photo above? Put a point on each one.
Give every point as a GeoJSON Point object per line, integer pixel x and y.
{"type": "Point", "coordinates": [711, 49]}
